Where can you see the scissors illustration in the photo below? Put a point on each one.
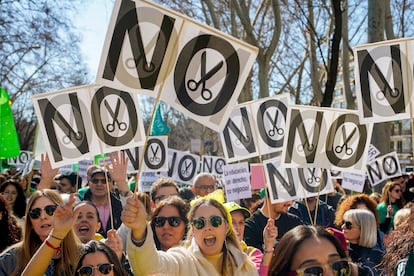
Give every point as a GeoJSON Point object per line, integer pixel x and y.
{"type": "Point", "coordinates": [154, 158]}
{"type": "Point", "coordinates": [272, 132]}
{"type": "Point", "coordinates": [313, 177]}
{"type": "Point", "coordinates": [76, 135]}
{"type": "Point", "coordinates": [186, 171]}
{"type": "Point", "coordinates": [114, 115]}
{"type": "Point", "coordinates": [194, 85]}
{"type": "Point", "coordinates": [393, 92]}
{"type": "Point", "coordinates": [348, 150]}
{"type": "Point", "coordinates": [309, 147]}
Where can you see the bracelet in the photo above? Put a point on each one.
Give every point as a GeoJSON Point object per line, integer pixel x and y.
{"type": "Point", "coordinates": [51, 245]}
{"type": "Point", "coordinates": [139, 242]}
{"type": "Point", "coordinates": [269, 251]}
{"type": "Point", "coordinates": [57, 238]}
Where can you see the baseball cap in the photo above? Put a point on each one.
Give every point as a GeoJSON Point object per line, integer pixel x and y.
{"type": "Point", "coordinates": [233, 206]}
{"type": "Point", "coordinates": [94, 172]}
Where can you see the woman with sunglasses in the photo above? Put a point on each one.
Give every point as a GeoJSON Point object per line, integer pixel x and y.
{"type": "Point", "coordinates": [310, 250]}
{"type": "Point", "coordinates": [98, 257]}
{"type": "Point", "coordinates": [211, 247]}
{"type": "Point", "coordinates": [359, 228]}
{"type": "Point", "coordinates": [43, 231]}
{"type": "Point", "coordinates": [169, 222]}
{"type": "Point", "coordinates": [391, 202]}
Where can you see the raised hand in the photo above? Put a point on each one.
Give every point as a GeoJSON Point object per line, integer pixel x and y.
{"type": "Point", "coordinates": [114, 241]}
{"type": "Point", "coordinates": [47, 172]}
{"type": "Point", "coordinates": [270, 234]}
{"type": "Point", "coordinates": [63, 218]}
{"type": "Point", "coordinates": [134, 216]}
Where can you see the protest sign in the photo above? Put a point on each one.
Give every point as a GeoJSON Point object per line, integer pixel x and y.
{"type": "Point", "coordinates": [383, 168]}
{"type": "Point", "coordinates": [237, 181]}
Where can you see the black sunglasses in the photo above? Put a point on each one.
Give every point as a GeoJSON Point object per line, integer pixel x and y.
{"type": "Point", "coordinates": [87, 270]}
{"type": "Point", "coordinates": [214, 221]}
{"type": "Point", "coordinates": [339, 268]}
{"type": "Point", "coordinates": [348, 224]}
{"type": "Point", "coordinates": [36, 212]}
{"type": "Point", "coordinates": [172, 221]}
{"type": "Point", "coordinates": [97, 180]}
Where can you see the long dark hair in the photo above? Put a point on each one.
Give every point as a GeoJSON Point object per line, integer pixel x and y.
{"type": "Point", "coordinates": [9, 227]}
{"type": "Point", "coordinates": [290, 242]}
{"type": "Point", "coordinates": [19, 207]}
{"type": "Point", "coordinates": [97, 246]}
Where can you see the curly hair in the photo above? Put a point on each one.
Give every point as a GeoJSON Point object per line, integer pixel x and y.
{"type": "Point", "coordinates": [351, 202]}
{"type": "Point", "coordinates": [400, 246]}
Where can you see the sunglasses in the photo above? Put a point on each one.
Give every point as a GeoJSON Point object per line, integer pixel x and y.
{"type": "Point", "coordinates": [397, 190]}
{"type": "Point", "coordinates": [206, 187]}
{"type": "Point", "coordinates": [36, 212]}
{"type": "Point", "coordinates": [339, 268]}
{"type": "Point", "coordinates": [214, 221]}
{"type": "Point", "coordinates": [87, 270]}
{"type": "Point", "coordinates": [348, 224]}
{"type": "Point", "coordinates": [101, 180]}
{"type": "Point", "coordinates": [172, 221]}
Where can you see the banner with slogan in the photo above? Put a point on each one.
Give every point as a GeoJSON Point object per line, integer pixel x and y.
{"type": "Point", "coordinates": [20, 160]}
{"type": "Point", "coordinates": [80, 122]}
{"type": "Point", "coordinates": [326, 138]}
{"type": "Point", "coordinates": [199, 70]}
{"type": "Point", "coordinates": [255, 128]}
{"type": "Point", "coordinates": [293, 183]}
{"type": "Point", "coordinates": [237, 181]}
{"type": "Point", "coordinates": [212, 164]}
{"type": "Point", "coordinates": [155, 157]}
{"type": "Point", "coordinates": [383, 78]}
{"type": "Point", "coordinates": [353, 182]}
{"type": "Point", "coordinates": [383, 168]}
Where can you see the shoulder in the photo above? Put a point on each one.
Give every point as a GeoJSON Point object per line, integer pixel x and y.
{"type": "Point", "coordinates": [8, 261]}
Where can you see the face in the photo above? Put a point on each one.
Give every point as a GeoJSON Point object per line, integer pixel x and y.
{"type": "Point", "coordinates": [98, 185]}
{"type": "Point", "coordinates": [95, 259]}
{"type": "Point", "coordinates": [65, 186]}
{"type": "Point", "coordinates": [395, 192]}
{"type": "Point", "coordinates": [351, 230]}
{"type": "Point", "coordinates": [86, 222]}
{"type": "Point", "coordinates": [10, 194]}
{"type": "Point", "coordinates": [401, 182]}
{"type": "Point", "coordinates": [168, 235]}
{"type": "Point", "coordinates": [323, 252]}
{"type": "Point", "coordinates": [204, 186]}
{"type": "Point", "coordinates": [238, 221]}
{"type": "Point", "coordinates": [282, 207]}
{"type": "Point", "coordinates": [164, 192]}
{"type": "Point", "coordinates": [44, 224]}
{"type": "Point", "coordinates": [210, 239]}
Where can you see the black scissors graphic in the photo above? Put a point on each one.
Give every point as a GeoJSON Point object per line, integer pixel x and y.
{"type": "Point", "coordinates": [114, 115]}
{"type": "Point", "coordinates": [394, 93]}
{"type": "Point", "coordinates": [76, 135]}
{"type": "Point", "coordinates": [348, 150]}
{"type": "Point", "coordinates": [272, 132]}
{"type": "Point", "coordinates": [194, 85]}
{"type": "Point", "coordinates": [186, 171]}
{"type": "Point", "coordinates": [154, 158]}
{"type": "Point", "coordinates": [309, 147]}
{"type": "Point", "coordinates": [313, 177]}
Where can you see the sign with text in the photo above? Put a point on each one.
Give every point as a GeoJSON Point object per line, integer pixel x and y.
{"type": "Point", "coordinates": [353, 182]}
{"type": "Point", "coordinates": [254, 128]}
{"type": "Point", "coordinates": [199, 70]}
{"type": "Point", "coordinates": [182, 166]}
{"type": "Point", "coordinates": [383, 76]}
{"type": "Point", "coordinates": [212, 164]}
{"type": "Point", "coordinates": [327, 138]}
{"type": "Point", "coordinates": [20, 160]}
{"type": "Point", "coordinates": [79, 122]}
{"type": "Point", "coordinates": [293, 183]}
{"type": "Point", "coordinates": [382, 168]}
{"type": "Point", "coordinates": [237, 181]}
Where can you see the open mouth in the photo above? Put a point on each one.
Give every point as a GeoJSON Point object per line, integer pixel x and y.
{"type": "Point", "coordinates": [45, 226]}
{"type": "Point", "coordinates": [210, 240]}
{"type": "Point", "coordinates": [83, 229]}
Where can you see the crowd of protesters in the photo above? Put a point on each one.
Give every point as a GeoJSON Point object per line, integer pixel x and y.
{"type": "Point", "coordinates": [53, 224]}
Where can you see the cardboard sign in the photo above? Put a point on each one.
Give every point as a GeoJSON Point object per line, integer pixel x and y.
{"type": "Point", "coordinates": [326, 138]}
{"type": "Point", "coordinates": [146, 180]}
{"type": "Point", "coordinates": [383, 168]}
{"type": "Point", "coordinates": [79, 122]}
{"type": "Point", "coordinates": [237, 181]}
{"type": "Point", "coordinates": [20, 160]}
{"type": "Point", "coordinates": [257, 176]}
{"type": "Point", "coordinates": [353, 182]}
{"type": "Point", "coordinates": [182, 166]}
{"type": "Point", "coordinates": [292, 183]}
{"type": "Point", "coordinates": [212, 164]}
{"type": "Point", "coordinates": [199, 70]}
{"type": "Point", "coordinates": [383, 76]}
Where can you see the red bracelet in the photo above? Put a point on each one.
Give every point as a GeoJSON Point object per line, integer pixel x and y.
{"type": "Point", "coordinates": [51, 245]}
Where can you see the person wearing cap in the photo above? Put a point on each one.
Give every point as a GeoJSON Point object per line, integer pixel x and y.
{"type": "Point", "coordinates": [261, 260]}
{"type": "Point", "coordinates": [69, 183]}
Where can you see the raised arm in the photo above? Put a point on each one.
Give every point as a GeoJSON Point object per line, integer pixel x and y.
{"type": "Point", "coordinates": [118, 171]}
{"type": "Point", "coordinates": [47, 173]}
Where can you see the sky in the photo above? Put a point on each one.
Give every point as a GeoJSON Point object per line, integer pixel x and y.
{"type": "Point", "coordinates": [92, 22]}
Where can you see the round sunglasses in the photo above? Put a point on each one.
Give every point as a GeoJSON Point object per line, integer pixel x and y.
{"type": "Point", "coordinates": [200, 223]}
{"type": "Point", "coordinates": [36, 212]}
{"type": "Point", "coordinates": [341, 267]}
{"type": "Point", "coordinates": [87, 270]}
{"type": "Point", "coordinates": [172, 221]}
{"type": "Point", "coordinates": [349, 225]}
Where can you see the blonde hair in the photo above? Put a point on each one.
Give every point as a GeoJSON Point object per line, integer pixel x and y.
{"type": "Point", "coordinates": [31, 241]}
{"type": "Point", "coordinates": [401, 216]}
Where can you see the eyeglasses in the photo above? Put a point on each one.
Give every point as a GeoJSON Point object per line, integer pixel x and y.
{"type": "Point", "coordinates": [97, 180]}
{"type": "Point", "coordinates": [341, 267]}
{"type": "Point", "coordinates": [214, 221]}
{"type": "Point", "coordinates": [206, 187]}
{"type": "Point", "coordinates": [349, 225]}
{"type": "Point", "coordinates": [87, 270]}
{"type": "Point", "coordinates": [397, 190]}
{"type": "Point", "coordinates": [172, 221]}
{"type": "Point", "coordinates": [36, 212]}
